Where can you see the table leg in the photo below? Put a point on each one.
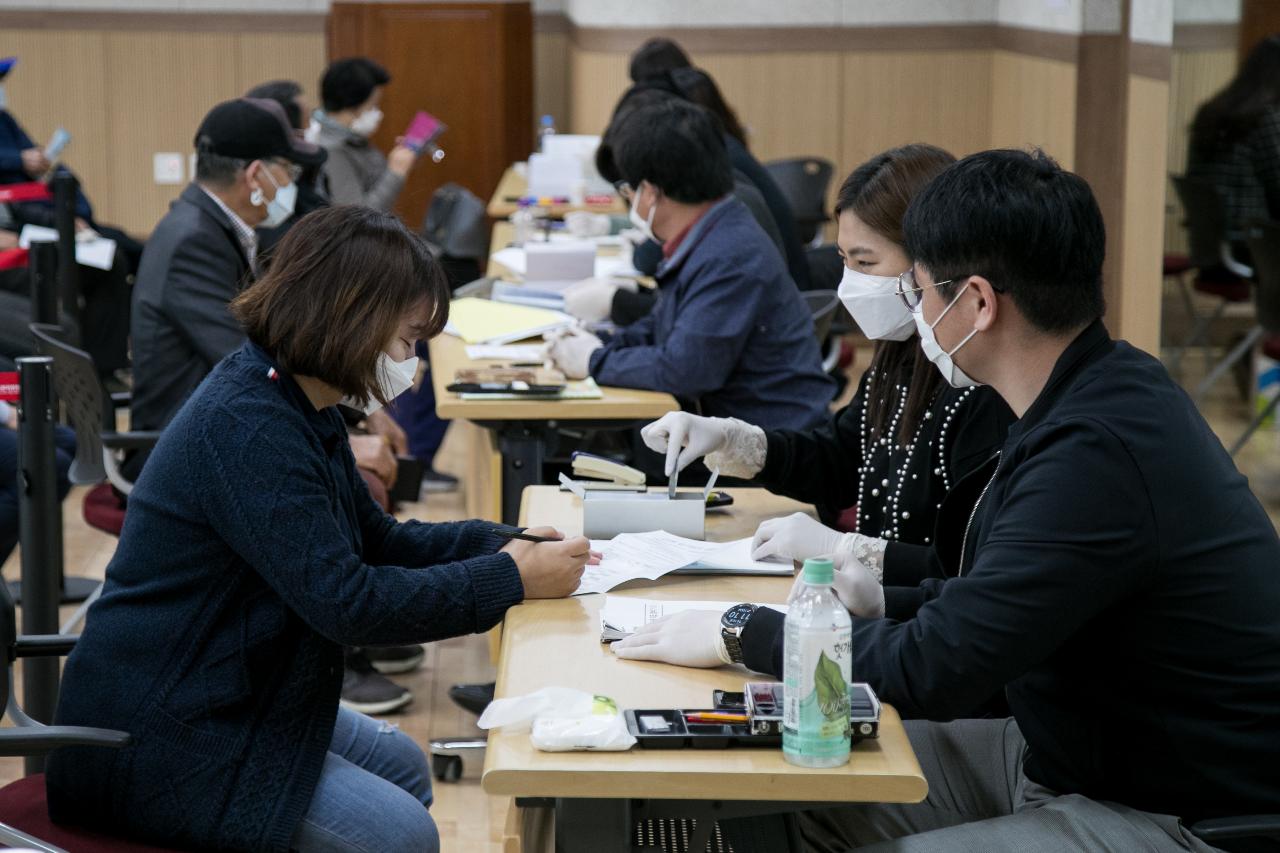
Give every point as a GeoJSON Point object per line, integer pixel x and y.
{"type": "Point", "coordinates": [593, 826]}
{"type": "Point", "coordinates": [523, 451]}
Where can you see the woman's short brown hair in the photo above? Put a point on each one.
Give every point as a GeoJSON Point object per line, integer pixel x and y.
{"type": "Point", "coordinates": [339, 285]}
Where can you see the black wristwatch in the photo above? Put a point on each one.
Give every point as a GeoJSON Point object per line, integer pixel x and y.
{"type": "Point", "coordinates": [731, 625]}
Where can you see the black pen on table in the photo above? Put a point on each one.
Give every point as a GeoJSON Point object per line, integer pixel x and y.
{"type": "Point", "coordinates": [528, 537]}
{"type": "Point", "coordinates": [524, 537]}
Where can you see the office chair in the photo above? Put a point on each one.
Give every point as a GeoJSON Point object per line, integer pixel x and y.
{"type": "Point", "coordinates": [92, 412]}
{"type": "Point", "coordinates": [1264, 243]}
{"type": "Point", "coordinates": [23, 810]}
{"type": "Point", "coordinates": [1219, 274]}
{"type": "Point", "coordinates": [804, 181]}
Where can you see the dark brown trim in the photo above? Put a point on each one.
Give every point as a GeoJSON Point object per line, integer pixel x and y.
{"type": "Point", "coordinates": [1206, 36]}
{"type": "Point", "coordinates": [1063, 47]}
{"type": "Point", "coordinates": [552, 22]}
{"type": "Point", "coordinates": [1048, 45]}
{"type": "Point", "coordinates": [1151, 60]}
{"type": "Point", "coordinates": [207, 22]}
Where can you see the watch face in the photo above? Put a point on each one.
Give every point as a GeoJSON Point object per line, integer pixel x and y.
{"type": "Point", "coordinates": [737, 616]}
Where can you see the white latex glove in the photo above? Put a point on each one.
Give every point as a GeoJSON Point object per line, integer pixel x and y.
{"type": "Point", "coordinates": [590, 300]}
{"type": "Point", "coordinates": [855, 586]}
{"type": "Point", "coordinates": [796, 536]}
{"type": "Point", "coordinates": [571, 351]}
{"type": "Point", "coordinates": [685, 438]}
{"type": "Point", "coordinates": [687, 638]}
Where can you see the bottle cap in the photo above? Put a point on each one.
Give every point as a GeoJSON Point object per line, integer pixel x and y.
{"type": "Point", "coordinates": [819, 570]}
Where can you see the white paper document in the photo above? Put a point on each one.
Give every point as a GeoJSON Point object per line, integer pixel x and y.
{"type": "Point", "coordinates": [649, 556]}
{"type": "Point", "coordinates": [514, 259]}
{"type": "Point", "coordinates": [621, 617]}
{"type": "Point", "coordinates": [734, 558]}
{"type": "Point", "coordinates": [99, 252]}
{"type": "Point", "coordinates": [509, 352]}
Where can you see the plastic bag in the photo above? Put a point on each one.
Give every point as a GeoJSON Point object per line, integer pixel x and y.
{"type": "Point", "coordinates": [562, 719]}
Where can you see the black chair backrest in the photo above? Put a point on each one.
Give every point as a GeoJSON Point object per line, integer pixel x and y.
{"type": "Point", "coordinates": [455, 223]}
{"type": "Point", "coordinates": [822, 306]}
{"type": "Point", "coordinates": [804, 181]}
{"type": "Point", "coordinates": [75, 380]}
{"type": "Point", "coordinates": [1264, 244]}
{"type": "Point", "coordinates": [1206, 220]}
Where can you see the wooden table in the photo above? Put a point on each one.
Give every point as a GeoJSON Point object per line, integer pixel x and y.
{"type": "Point", "coordinates": [510, 439]}
{"type": "Point", "coordinates": [598, 796]}
{"type": "Point", "coordinates": [515, 186]}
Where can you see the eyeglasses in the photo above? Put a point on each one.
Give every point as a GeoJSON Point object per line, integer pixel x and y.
{"type": "Point", "coordinates": [911, 293]}
{"type": "Point", "coordinates": [293, 170]}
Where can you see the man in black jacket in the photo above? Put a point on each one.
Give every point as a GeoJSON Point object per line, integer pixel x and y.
{"type": "Point", "coordinates": [1118, 579]}
{"type": "Point", "coordinates": [204, 251]}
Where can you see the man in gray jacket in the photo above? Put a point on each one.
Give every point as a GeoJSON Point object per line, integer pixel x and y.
{"type": "Point", "coordinates": [357, 173]}
{"type": "Point", "coordinates": [203, 252]}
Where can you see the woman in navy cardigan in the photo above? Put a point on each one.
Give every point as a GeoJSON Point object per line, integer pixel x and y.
{"type": "Point", "coordinates": [252, 553]}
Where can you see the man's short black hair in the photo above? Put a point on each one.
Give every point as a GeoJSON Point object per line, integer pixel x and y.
{"type": "Point", "coordinates": [631, 100]}
{"type": "Point", "coordinates": [656, 57]}
{"type": "Point", "coordinates": [285, 93]}
{"type": "Point", "coordinates": [348, 83]}
{"type": "Point", "coordinates": [675, 145]}
{"type": "Point", "coordinates": [1023, 222]}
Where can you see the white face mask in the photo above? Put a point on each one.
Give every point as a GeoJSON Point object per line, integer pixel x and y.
{"type": "Point", "coordinates": [642, 224]}
{"type": "Point", "coordinates": [366, 124]}
{"type": "Point", "coordinates": [312, 133]}
{"type": "Point", "coordinates": [279, 208]}
{"type": "Point", "coordinates": [875, 305]}
{"type": "Point", "coordinates": [941, 359]}
{"type": "Point", "coordinates": [394, 378]}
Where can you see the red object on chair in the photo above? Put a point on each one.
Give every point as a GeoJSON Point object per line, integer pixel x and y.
{"type": "Point", "coordinates": [12, 259]}
{"type": "Point", "coordinates": [1176, 265]}
{"type": "Point", "coordinates": [23, 807]}
{"type": "Point", "coordinates": [104, 509]}
{"type": "Point", "coordinates": [1224, 285]}
{"type": "Point", "coordinates": [30, 191]}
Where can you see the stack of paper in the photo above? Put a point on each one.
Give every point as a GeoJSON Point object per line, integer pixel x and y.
{"type": "Point", "coordinates": [507, 352]}
{"type": "Point", "coordinates": [649, 556]}
{"type": "Point", "coordinates": [94, 251]}
{"type": "Point", "coordinates": [620, 617]}
{"type": "Point", "coordinates": [479, 321]}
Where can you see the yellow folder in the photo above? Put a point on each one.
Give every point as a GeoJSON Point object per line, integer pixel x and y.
{"type": "Point", "coordinates": [480, 321]}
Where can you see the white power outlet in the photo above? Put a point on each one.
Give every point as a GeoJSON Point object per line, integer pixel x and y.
{"type": "Point", "coordinates": [167, 166]}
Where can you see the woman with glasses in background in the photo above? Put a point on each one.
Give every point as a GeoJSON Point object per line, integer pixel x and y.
{"type": "Point", "coordinates": [877, 469]}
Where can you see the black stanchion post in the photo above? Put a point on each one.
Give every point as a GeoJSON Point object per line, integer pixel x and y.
{"type": "Point", "coordinates": [65, 187]}
{"type": "Point", "coordinates": [40, 532]}
{"type": "Point", "coordinates": [43, 268]}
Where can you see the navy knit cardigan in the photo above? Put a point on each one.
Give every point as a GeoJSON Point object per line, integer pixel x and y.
{"type": "Point", "coordinates": [251, 554]}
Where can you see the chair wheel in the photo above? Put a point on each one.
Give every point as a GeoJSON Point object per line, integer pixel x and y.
{"type": "Point", "coordinates": [446, 768]}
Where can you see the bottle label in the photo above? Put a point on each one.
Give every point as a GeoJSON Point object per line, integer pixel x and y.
{"type": "Point", "coordinates": [815, 719]}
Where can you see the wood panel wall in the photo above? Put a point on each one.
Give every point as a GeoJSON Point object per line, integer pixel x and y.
{"type": "Point", "coordinates": [127, 94]}
{"type": "Point", "coordinates": [1144, 195]}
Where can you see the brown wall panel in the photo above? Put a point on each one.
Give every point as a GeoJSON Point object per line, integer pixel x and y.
{"type": "Point", "coordinates": [1033, 104]}
{"type": "Point", "coordinates": [127, 94]}
{"type": "Point", "coordinates": [893, 98]}
{"type": "Point", "coordinates": [1138, 310]}
{"type": "Point", "coordinates": [551, 78]}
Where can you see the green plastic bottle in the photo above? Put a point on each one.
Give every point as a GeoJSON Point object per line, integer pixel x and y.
{"type": "Point", "coordinates": [816, 672]}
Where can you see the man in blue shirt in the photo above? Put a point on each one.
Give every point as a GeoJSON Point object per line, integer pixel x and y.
{"type": "Point", "coordinates": [730, 336]}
